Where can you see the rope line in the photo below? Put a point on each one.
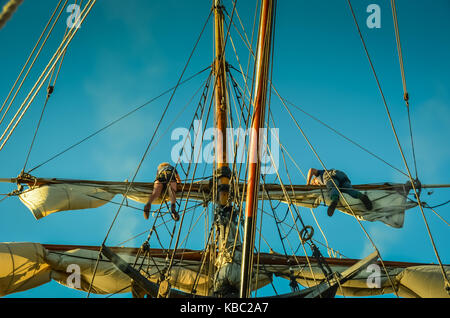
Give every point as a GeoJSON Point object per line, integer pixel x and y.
{"type": "Point", "coordinates": [148, 147]}
{"type": "Point", "coordinates": [50, 89]}
{"type": "Point", "coordinates": [347, 138]}
{"type": "Point", "coordinates": [42, 78]}
{"type": "Point", "coordinates": [444, 274]}
{"type": "Point", "coordinates": [251, 54]}
{"type": "Point", "coordinates": [196, 164]}
{"type": "Point", "coordinates": [340, 193]}
{"type": "Point", "coordinates": [203, 100]}
{"type": "Point", "coordinates": [402, 71]}
{"type": "Point", "coordinates": [26, 63]}
{"type": "Point", "coordinates": [244, 77]}
{"type": "Point", "coordinates": [443, 220]}
{"type": "Point", "coordinates": [117, 120]}
{"type": "Point", "coordinates": [37, 127]}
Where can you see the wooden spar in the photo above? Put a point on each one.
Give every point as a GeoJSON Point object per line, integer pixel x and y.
{"type": "Point", "coordinates": [338, 280]}
{"type": "Point", "coordinates": [265, 258]}
{"type": "Point", "coordinates": [152, 289]}
{"type": "Point", "coordinates": [263, 53]}
{"type": "Point", "coordinates": [149, 287]}
{"type": "Point", "coordinates": [220, 108]}
{"type": "Point", "coordinates": [205, 186]}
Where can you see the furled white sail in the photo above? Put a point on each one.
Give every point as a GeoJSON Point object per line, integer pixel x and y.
{"type": "Point", "coordinates": [25, 266]}
{"type": "Point", "coordinates": [22, 267]}
{"type": "Point", "coordinates": [422, 281]}
{"type": "Point", "coordinates": [47, 199]}
{"type": "Point", "coordinates": [389, 203]}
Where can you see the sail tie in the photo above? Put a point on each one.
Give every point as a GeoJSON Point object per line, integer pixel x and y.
{"type": "Point", "coordinates": [293, 284]}
{"type": "Point", "coordinates": [326, 270]}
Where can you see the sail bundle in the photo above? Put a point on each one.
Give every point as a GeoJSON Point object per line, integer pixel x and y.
{"type": "Point", "coordinates": [389, 200]}
{"type": "Point", "coordinates": [60, 196]}
{"type": "Point", "coordinates": [389, 203]}
{"type": "Point", "coordinates": [25, 266]}
{"type": "Point", "coordinates": [415, 281]}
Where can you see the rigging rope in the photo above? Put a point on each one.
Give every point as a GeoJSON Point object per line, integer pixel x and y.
{"type": "Point", "coordinates": [288, 153]}
{"type": "Point", "coordinates": [435, 206]}
{"type": "Point", "coordinates": [334, 130]}
{"type": "Point", "coordinates": [50, 86]}
{"type": "Point", "coordinates": [196, 164]}
{"type": "Point", "coordinates": [431, 208]}
{"type": "Point", "coordinates": [42, 78]}
{"type": "Point", "coordinates": [49, 92]}
{"type": "Point", "coordinates": [277, 223]}
{"type": "Point", "coordinates": [235, 85]}
{"type": "Point", "coordinates": [444, 274]}
{"type": "Point", "coordinates": [28, 60]}
{"type": "Point", "coordinates": [340, 193]}
{"type": "Point", "coordinates": [206, 87]}
{"type": "Point", "coordinates": [289, 202]}
{"type": "Point", "coordinates": [237, 196]}
{"type": "Point", "coordinates": [238, 94]}
{"type": "Point", "coordinates": [148, 147]}
{"type": "Point", "coordinates": [329, 249]}
{"type": "Point", "coordinates": [347, 138]}
{"type": "Point", "coordinates": [402, 71]}
{"type": "Point", "coordinates": [201, 105]}
{"type": "Point", "coordinates": [117, 120]}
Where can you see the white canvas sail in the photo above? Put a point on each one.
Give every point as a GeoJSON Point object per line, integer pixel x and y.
{"type": "Point", "coordinates": [389, 204]}
{"type": "Point", "coordinates": [421, 281]}
{"type": "Point", "coordinates": [25, 266]}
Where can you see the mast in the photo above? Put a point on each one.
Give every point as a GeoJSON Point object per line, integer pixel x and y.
{"type": "Point", "coordinates": [263, 54]}
{"type": "Point", "coordinates": [224, 221]}
{"type": "Point", "coordinates": [221, 156]}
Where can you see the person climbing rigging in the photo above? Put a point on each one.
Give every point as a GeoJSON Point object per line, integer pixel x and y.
{"type": "Point", "coordinates": [321, 177]}
{"type": "Point", "coordinates": [166, 175]}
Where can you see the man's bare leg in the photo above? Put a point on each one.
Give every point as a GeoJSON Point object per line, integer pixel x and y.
{"type": "Point", "coordinates": [157, 188]}
{"type": "Point", "coordinates": [173, 199]}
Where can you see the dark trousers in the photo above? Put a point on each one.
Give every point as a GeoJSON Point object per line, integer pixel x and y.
{"type": "Point", "coordinates": [342, 182]}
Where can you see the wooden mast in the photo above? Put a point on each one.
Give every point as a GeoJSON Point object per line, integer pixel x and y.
{"type": "Point", "coordinates": [263, 54]}
{"type": "Point", "coordinates": [224, 220]}
{"type": "Point", "coordinates": [221, 156]}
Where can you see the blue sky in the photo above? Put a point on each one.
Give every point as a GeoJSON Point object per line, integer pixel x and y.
{"type": "Point", "coordinates": [124, 55]}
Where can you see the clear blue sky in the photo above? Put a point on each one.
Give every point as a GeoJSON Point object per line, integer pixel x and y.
{"type": "Point", "coordinates": [129, 52]}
